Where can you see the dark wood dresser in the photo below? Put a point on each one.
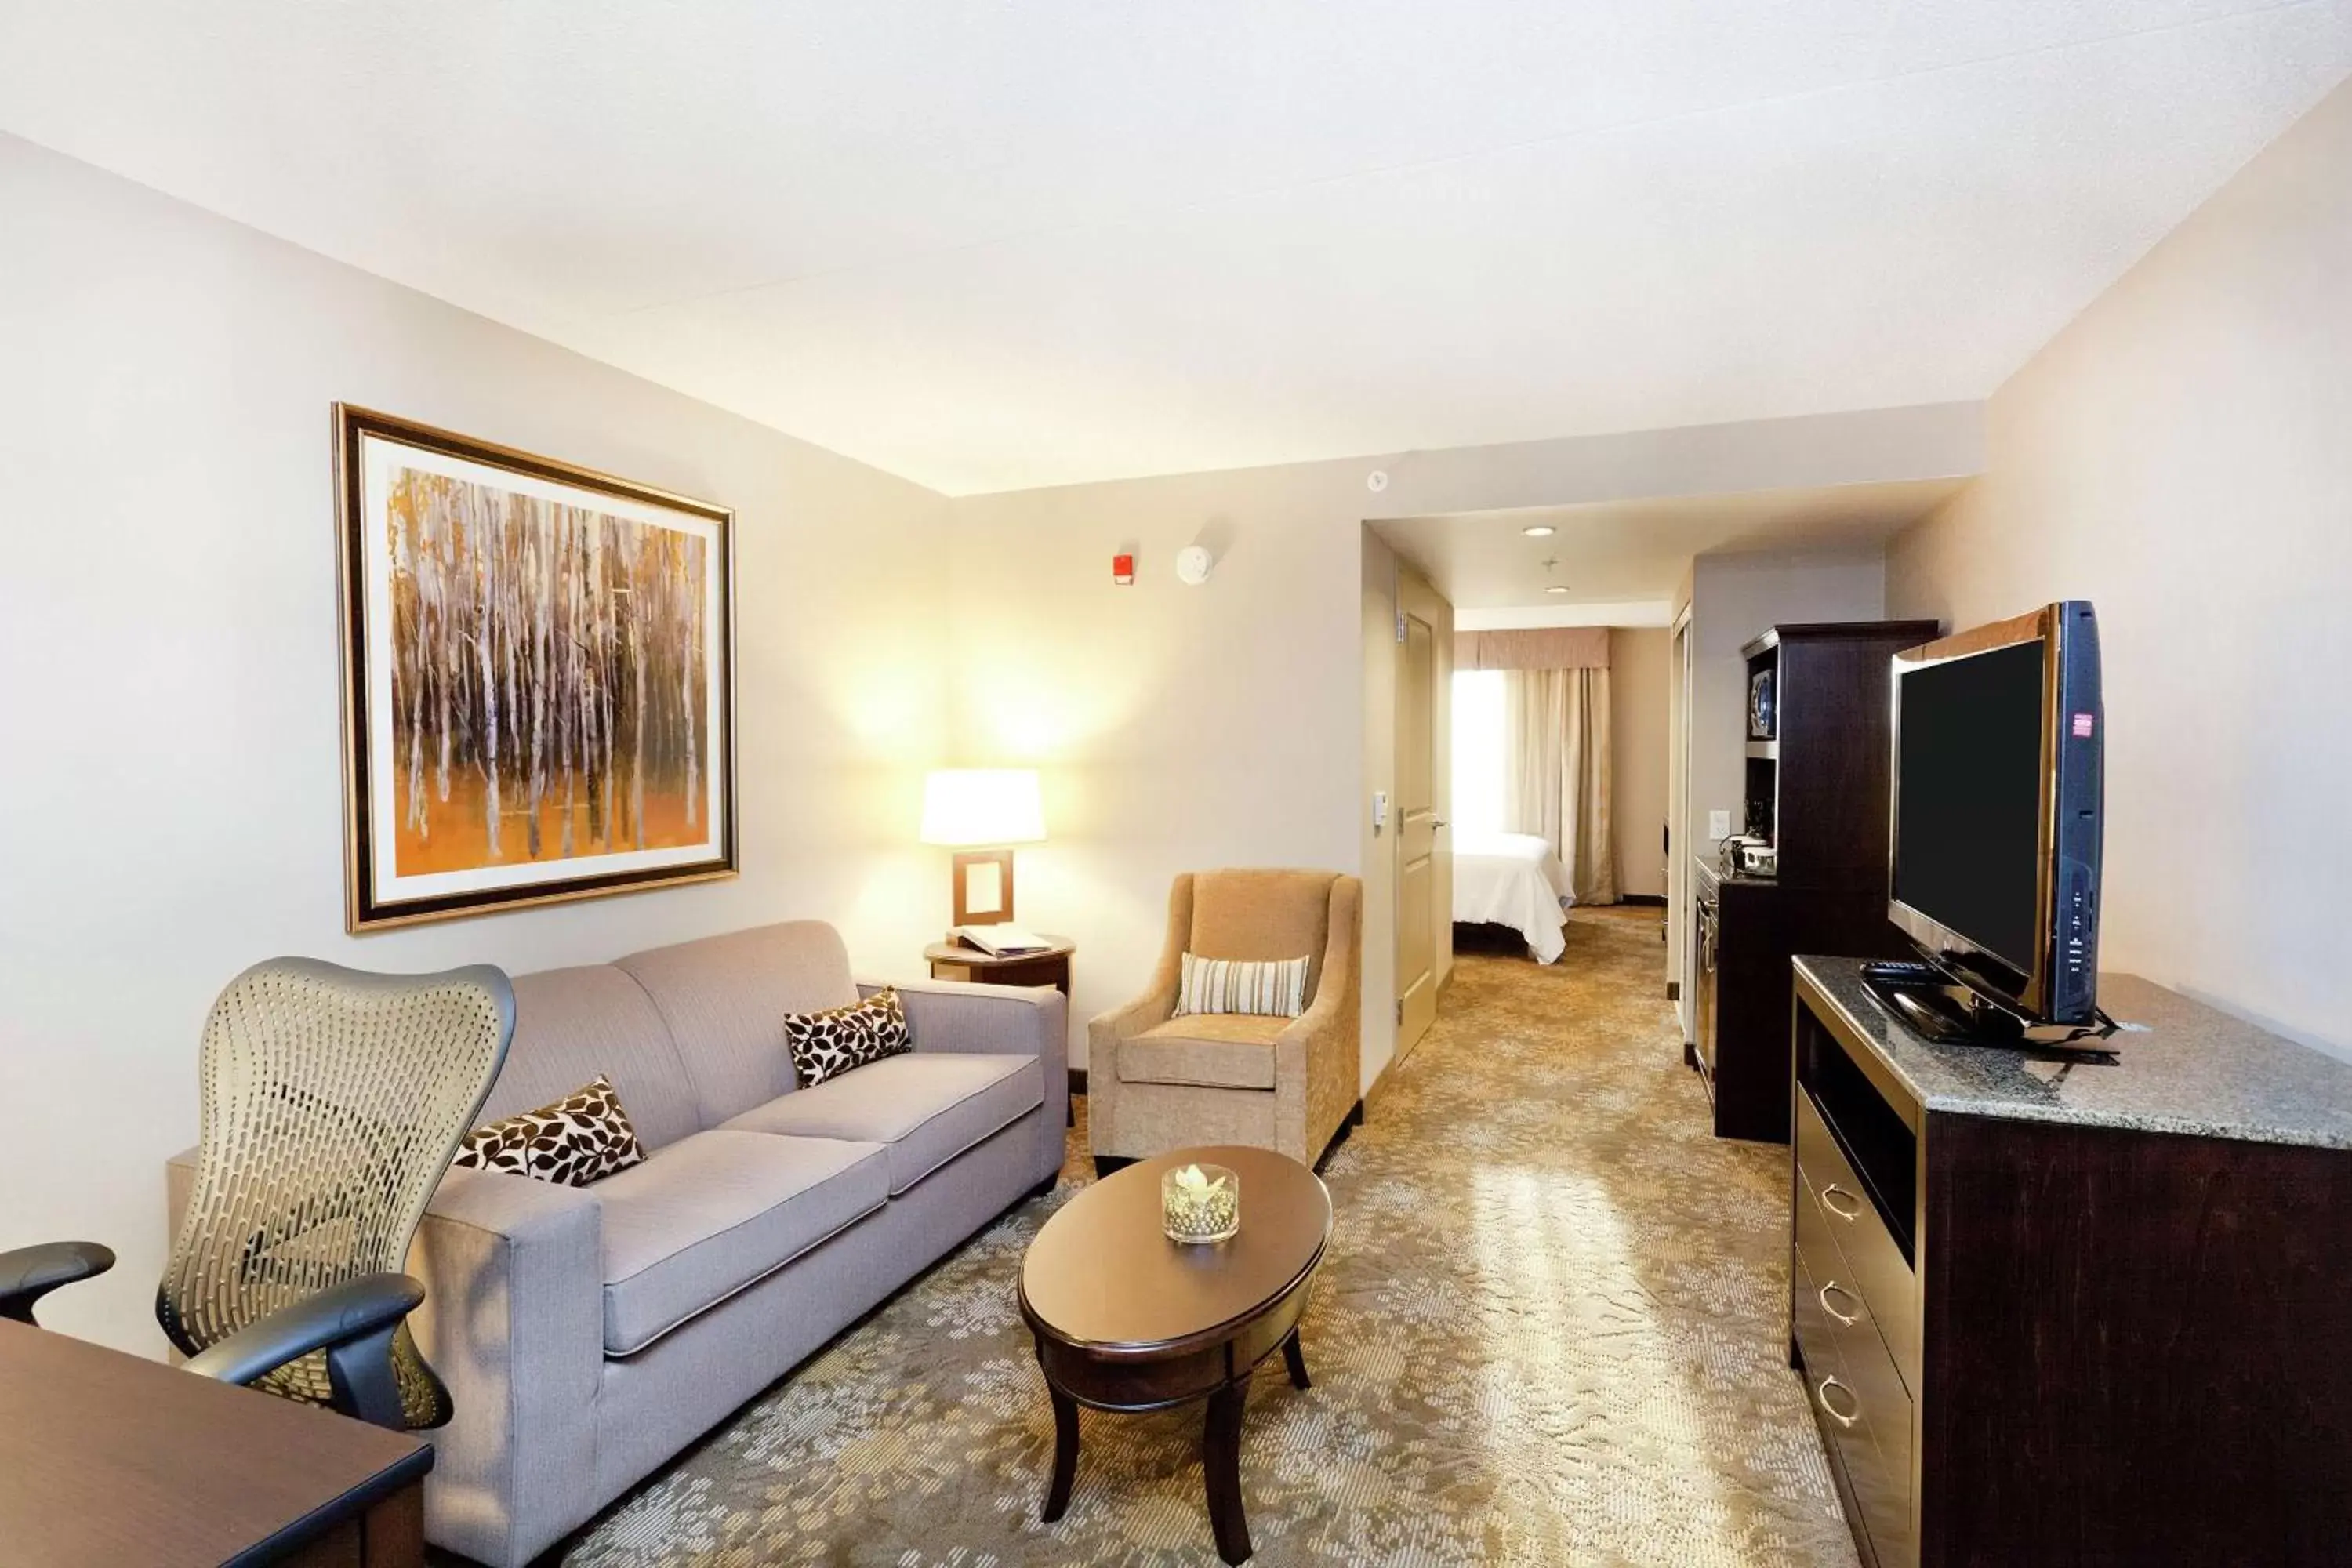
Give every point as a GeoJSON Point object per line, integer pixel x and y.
{"type": "Point", "coordinates": [1817, 787]}
{"type": "Point", "coordinates": [2074, 1313]}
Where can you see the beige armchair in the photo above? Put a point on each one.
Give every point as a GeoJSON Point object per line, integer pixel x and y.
{"type": "Point", "coordinates": [1157, 1083]}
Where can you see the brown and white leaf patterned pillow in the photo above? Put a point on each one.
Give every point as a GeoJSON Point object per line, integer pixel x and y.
{"type": "Point", "coordinates": [578, 1139]}
{"type": "Point", "coordinates": [826, 1045]}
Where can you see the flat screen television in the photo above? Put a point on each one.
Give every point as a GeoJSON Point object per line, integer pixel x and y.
{"type": "Point", "coordinates": [1993, 870]}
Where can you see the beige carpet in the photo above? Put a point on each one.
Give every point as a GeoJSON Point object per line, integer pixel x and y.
{"type": "Point", "coordinates": [1550, 1330]}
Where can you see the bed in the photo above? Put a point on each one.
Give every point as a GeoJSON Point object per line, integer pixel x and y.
{"type": "Point", "coordinates": [1513, 879]}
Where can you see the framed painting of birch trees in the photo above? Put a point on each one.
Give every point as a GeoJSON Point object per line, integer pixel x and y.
{"type": "Point", "coordinates": [537, 681]}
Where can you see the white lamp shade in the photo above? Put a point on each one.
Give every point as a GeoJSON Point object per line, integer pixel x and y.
{"type": "Point", "coordinates": [967, 807]}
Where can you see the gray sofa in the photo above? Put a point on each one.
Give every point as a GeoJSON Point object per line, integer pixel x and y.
{"type": "Point", "coordinates": [588, 1334]}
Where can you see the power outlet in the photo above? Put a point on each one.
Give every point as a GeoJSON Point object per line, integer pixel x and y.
{"type": "Point", "coordinates": [1718, 825]}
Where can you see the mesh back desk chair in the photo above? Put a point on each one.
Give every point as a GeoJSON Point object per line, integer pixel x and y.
{"type": "Point", "coordinates": [332, 1102]}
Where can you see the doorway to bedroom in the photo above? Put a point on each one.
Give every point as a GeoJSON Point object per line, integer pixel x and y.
{"type": "Point", "coordinates": [1553, 779]}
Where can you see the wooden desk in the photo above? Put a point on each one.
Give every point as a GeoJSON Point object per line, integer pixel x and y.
{"type": "Point", "coordinates": [953, 960]}
{"type": "Point", "coordinates": [106, 1458]}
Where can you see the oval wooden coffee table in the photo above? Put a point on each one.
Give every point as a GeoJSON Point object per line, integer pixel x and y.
{"type": "Point", "coordinates": [1126, 1319]}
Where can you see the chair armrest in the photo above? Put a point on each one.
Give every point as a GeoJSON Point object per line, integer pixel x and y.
{"type": "Point", "coordinates": [513, 1322]}
{"type": "Point", "coordinates": [1151, 1009]}
{"type": "Point", "coordinates": [1157, 1003]}
{"type": "Point", "coordinates": [371, 1304]}
{"type": "Point", "coordinates": [29, 1273]}
{"type": "Point", "coordinates": [1318, 1056]}
{"type": "Point", "coordinates": [1321, 1016]}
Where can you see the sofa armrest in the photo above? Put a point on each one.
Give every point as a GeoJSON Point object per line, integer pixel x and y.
{"type": "Point", "coordinates": [999, 1020]}
{"type": "Point", "coordinates": [513, 1321]}
{"type": "Point", "coordinates": [991, 1020]}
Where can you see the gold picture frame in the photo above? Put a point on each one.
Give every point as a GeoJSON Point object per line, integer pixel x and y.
{"type": "Point", "coordinates": [538, 677]}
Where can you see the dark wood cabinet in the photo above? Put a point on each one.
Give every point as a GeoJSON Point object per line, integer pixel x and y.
{"type": "Point", "coordinates": [1817, 789]}
{"type": "Point", "coordinates": [1749, 929]}
{"type": "Point", "coordinates": [2074, 1313]}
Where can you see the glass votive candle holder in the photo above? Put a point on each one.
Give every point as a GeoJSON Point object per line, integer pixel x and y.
{"type": "Point", "coordinates": [1200, 1203]}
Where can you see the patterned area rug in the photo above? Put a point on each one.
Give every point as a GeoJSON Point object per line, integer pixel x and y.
{"type": "Point", "coordinates": [1549, 1331]}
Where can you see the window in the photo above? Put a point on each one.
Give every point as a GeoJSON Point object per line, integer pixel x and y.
{"type": "Point", "coordinates": [1479, 749]}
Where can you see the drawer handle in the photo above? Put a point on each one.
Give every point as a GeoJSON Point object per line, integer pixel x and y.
{"type": "Point", "coordinates": [1830, 1196]}
{"type": "Point", "coordinates": [1833, 1311]}
{"type": "Point", "coordinates": [1823, 1394]}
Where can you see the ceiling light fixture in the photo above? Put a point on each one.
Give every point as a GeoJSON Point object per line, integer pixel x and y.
{"type": "Point", "coordinates": [1538, 530]}
{"type": "Point", "coordinates": [1557, 588]}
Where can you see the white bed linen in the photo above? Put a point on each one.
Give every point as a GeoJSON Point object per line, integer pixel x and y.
{"type": "Point", "coordinates": [1514, 880]}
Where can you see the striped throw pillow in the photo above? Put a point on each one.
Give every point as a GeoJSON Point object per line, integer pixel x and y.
{"type": "Point", "coordinates": [1273, 987]}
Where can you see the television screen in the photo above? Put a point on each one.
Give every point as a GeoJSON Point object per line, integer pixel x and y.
{"type": "Point", "coordinates": [1968, 797]}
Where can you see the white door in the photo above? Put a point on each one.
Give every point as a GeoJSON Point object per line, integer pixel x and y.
{"type": "Point", "coordinates": [1424, 872]}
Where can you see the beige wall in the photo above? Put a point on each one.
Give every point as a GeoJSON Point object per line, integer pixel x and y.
{"type": "Point", "coordinates": [2181, 455]}
{"type": "Point", "coordinates": [1638, 713]}
{"type": "Point", "coordinates": [167, 635]}
{"type": "Point", "coordinates": [1177, 728]}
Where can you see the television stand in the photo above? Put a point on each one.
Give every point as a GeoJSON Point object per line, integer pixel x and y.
{"type": "Point", "coordinates": [2072, 1318]}
{"type": "Point", "coordinates": [1938, 1008]}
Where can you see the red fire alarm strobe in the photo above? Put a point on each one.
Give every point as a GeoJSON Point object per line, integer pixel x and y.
{"type": "Point", "coordinates": [1122, 569]}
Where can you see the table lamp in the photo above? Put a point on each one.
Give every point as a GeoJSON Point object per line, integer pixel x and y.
{"type": "Point", "coordinates": [981, 813]}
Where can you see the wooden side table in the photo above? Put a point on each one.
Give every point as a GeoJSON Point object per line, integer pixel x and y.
{"type": "Point", "coordinates": [954, 961]}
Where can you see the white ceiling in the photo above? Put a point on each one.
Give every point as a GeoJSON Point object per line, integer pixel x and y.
{"type": "Point", "coordinates": [992, 246]}
{"type": "Point", "coordinates": [1621, 561]}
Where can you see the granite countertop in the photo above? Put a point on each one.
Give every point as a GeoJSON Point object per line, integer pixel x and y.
{"type": "Point", "coordinates": [2176, 1066]}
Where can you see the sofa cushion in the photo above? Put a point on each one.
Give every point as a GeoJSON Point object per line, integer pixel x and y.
{"type": "Point", "coordinates": [1216, 1050]}
{"type": "Point", "coordinates": [725, 997]}
{"type": "Point", "coordinates": [576, 1025]}
{"type": "Point", "coordinates": [826, 1045]}
{"type": "Point", "coordinates": [716, 1212]}
{"type": "Point", "coordinates": [572, 1142]}
{"type": "Point", "coordinates": [924, 1108]}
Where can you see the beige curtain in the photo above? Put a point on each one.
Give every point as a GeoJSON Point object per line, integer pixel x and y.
{"type": "Point", "coordinates": [1555, 775]}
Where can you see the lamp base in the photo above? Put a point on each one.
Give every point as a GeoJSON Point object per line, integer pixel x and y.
{"type": "Point", "coordinates": [984, 886]}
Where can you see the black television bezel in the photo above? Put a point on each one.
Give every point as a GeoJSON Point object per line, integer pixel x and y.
{"type": "Point", "coordinates": [2025, 992]}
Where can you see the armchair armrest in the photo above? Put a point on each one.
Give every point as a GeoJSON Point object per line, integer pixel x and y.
{"type": "Point", "coordinates": [29, 1273]}
{"type": "Point", "coordinates": [1321, 1016]}
{"type": "Point", "coordinates": [1156, 1002]}
{"type": "Point", "coordinates": [1154, 1007]}
{"type": "Point", "coordinates": [353, 1322]}
{"type": "Point", "coordinates": [1318, 1056]}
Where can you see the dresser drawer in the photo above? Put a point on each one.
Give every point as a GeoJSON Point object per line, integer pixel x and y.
{"type": "Point", "coordinates": [1862, 1409]}
{"type": "Point", "coordinates": [1837, 1292]}
{"type": "Point", "coordinates": [1870, 1264]}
